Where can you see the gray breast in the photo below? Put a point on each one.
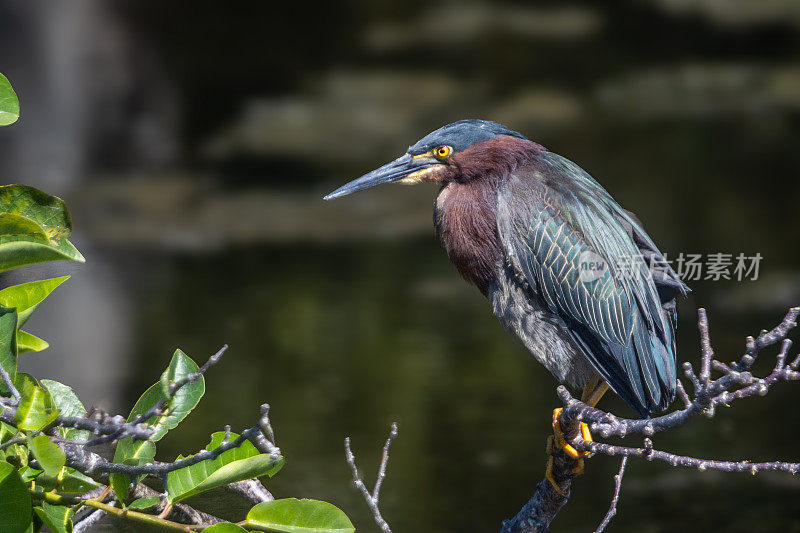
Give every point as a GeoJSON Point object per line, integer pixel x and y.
{"type": "Point", "coordinates": [542, 332]}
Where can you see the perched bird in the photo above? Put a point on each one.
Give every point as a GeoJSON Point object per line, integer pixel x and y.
{"type": "Point", "coordinates": [566, 269]}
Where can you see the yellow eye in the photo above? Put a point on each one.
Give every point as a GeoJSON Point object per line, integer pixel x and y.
{"type": "Point", "coordinates": [444, 151]}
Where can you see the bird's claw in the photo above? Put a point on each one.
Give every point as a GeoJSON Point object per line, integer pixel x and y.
{"type": "Point", "coordinates": [548, 471]}
{"type": "Point", "coordinates": [562, 444]}
{"type": "Point", "coordinates": [556, 442]}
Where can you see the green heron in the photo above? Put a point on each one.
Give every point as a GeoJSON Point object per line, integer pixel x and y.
{"type": "Point", "coordinates": [566, 269]}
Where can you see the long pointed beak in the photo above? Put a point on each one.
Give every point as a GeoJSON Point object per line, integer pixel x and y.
{"type": "Point", "coordinates": [398, 169]}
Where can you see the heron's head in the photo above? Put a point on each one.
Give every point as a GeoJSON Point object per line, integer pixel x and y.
{"type": "Point", "coordinates": [452, 152]}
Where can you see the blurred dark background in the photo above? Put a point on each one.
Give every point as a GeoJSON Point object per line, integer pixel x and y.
{"type": "Point", "coordinates": [193, 142]}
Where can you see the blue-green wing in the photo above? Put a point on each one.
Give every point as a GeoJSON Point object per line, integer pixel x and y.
{"type": "Point", "coordinates": [586, 258]}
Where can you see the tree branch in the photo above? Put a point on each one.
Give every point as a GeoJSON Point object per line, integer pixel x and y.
{"type": "Point", "coordinates": [735, 382]}
{"type": "Point", "coordinates": [536, 515]}
{"type": "Point", "coordinates": [113, 428]}
{"type": "Point", "coordinates": [57, 499]}
{"type": "Point", "coordinates": [107, 428]}
{"type": "Point", "coordinates": [97, 468]}
{"type": "Point", "coordinates": [252, 489]}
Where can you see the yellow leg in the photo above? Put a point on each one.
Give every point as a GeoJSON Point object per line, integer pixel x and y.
{"type": "Point", "coordinates": [592, 393]}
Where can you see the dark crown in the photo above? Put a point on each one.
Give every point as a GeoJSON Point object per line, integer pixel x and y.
{"type": "Point", "coordinates": [461, 135]}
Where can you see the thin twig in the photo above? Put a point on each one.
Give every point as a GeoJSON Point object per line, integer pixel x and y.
{"type": "Point", "coordinates": [10, 384]}
{"type": "Point", "coordinates": [15, 440]}
{"type": "Point", "coordinates": [372, 499]}
{"type": "Point", "coordinates": [612, 510]}
{"type": "Point", "coordinates": [686, 461]}
{"type": "Point", "coordinates": [252, 434]}
{"type": "Point", "coordinates": [90, 519]}
{"type": "Point", "coordinates": [266, 426]}
{"type": "Point", "coordinates": [194, 376]}
{"type": "Point", "coordinates": [384, 461]}
{"type": "Point", "coordinates": [706, 352]}
{"type": "Point", "coordinates": [682, 394]}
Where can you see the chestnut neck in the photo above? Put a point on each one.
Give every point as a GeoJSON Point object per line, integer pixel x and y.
{"type": "Point", "coordinates": [466, 208]}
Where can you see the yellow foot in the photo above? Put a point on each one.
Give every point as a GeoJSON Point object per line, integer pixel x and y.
{"type": "Point", "coordinates": [560, 441]}
{"type": "Point", "coordinates": [557, 441]}
{"type": "Point", "coordinates": [548, 471]}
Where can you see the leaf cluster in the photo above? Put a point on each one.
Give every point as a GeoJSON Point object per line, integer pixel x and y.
{"type": "Point", "coordinates": [41, 485]}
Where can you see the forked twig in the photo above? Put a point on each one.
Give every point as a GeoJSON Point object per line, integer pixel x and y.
{"type": "Point", "coordinates": [372, 499]}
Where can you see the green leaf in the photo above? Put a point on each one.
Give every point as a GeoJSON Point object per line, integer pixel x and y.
{"type": "Point", "coordinates": [17, 455]}
{"type": "Point", "coordinates": [27, 343]}
{"type": "Point", "coordinates": [68, 404]}
{"type": "Point", "coordinates": [17, 251]}
{"type": "Point", "coordinates": [8, 344]}
{"type": "Point", "coordinates": [15, 501]}
{"type": "Point", "coordinates": [34, 227]}
{"type": "Point", "coordinates": [178, 369]}
{"type": "Point", "coordinates": [13, 224]}
{"type": "Point", "coordinates": [46, 483]}
{"type": "Point", "coordinates": [27, 474]}
{"type": "Point", "coordinates": [36, 409]}
{"type": "Point", "coordinates": [236, 464]}
{"type": "Point", "coordinates": [7, 432]}
{"type": "Point", "coordinates": [178, 408]}
{"type": "Point", "coordinates": [57, 518]}
{"type": "Point", "coordinates": [291, 515]}
{"type": "Point", "coordinates": [9, 104]}
{"type": "Point", "coordinates": [73, 482]}
{"type": "Point", "coordinates": [225, 527]}
{"type": "Point", "coordinates": [131, 453]}
{"type": "Point", "coordinates": [50, 457]}
{"type": "Point", "coordinates": [144, 503]}
{"type": "Point", "coordinates": [121, 484]}
{"type": "Point", "coordinates": [49, 212]}
{"type": "Point", "coordinates": [26, 296]}
{"type": "Point", "coordinates": [137, 453]}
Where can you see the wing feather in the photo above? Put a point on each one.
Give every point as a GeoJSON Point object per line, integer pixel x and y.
{"type": "Point", "coordinates": [551, 215]}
